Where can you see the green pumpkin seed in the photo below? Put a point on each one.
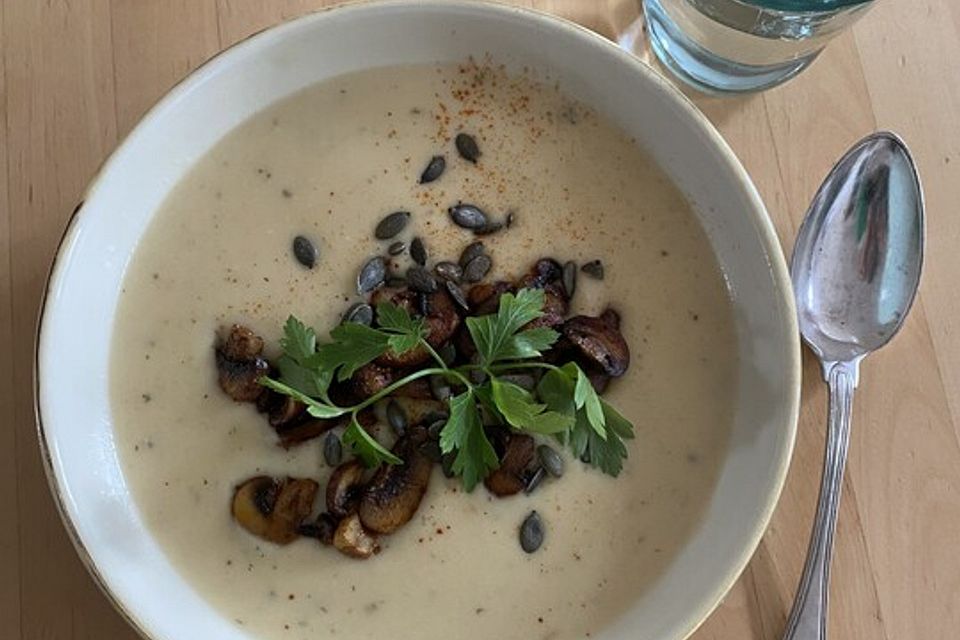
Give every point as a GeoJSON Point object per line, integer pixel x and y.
{"type": "Point", "coordinates": [304, 252]}
{"type": "Point", "coordinates": [359, 312]}
{"type": "Point", "coordinates": [436, 426]}
{"type": "Point", "coordinates": [473, 250]}
{"type": "Point", "coordinates": [570, 278]}
{"type": "Point", "coordinates": [397, 248]}
{"type": "Point", "coordinates": [551, 460]}
{"type": "Point", "coordinates": [391, 225]}
{"type": "Point", "coordinates": [594, 269]}
{"type": "Point", "coordinates": [477, 268]}
{"type": "Point", "coordinates": [457, 294]}
{"type": "Point", "coordinates": [467, 147]}
{"type": "Point", "coordinates": [531, 532]}
{"type": "Point", "coordinates": [420, 280]}
{"type": "Point", "coordinates": [440, 388]}
{"type": "Point", "coordinates": [448, 271]}
{"type": "Point", "coordinates": [418, 252]}
{"type": "Point", "coordinates": [433, 170]}
{"type": "Point", "coordinates": [371, 275]}
{"type": "Point", "coordinates": [396, 417]}
{"type": "Point", "coordinates": [534, 480]}
{"type": "Point", "coordinates": [332, 449]}
{"type": "Point", "coordinates": [468, 216]}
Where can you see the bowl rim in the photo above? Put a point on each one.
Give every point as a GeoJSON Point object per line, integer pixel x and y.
{"type": "Point", "coordinates": [763, 224]}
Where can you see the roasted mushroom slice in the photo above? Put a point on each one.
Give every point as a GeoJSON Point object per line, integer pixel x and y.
{"type": "Point", "coordinates": [273, 508]}
{"type": "Point", "coordinates": [554, 307]}
{"type": "Point", "coordinates": [344, 488]}
{"type": "Point", "coordinates": [353, 540]}
{"type": "Point", "coordinates": [322, 529]}
{"type": "Point", "coordinates": [442, 320]}
{"type": "Point", "coordinates": [395, 492]}
{"type": "Point", "coordinates": [418, 411]}
{"type": "Point", "coordinates": [299, 432]}
{"type": "Point", "coordinates": [510, 477]}
{"type": "Point", "coordinates": [418, 389]}
{"type": "Point", "coordinates": [371, 379]}
{"type": "Point", "coordinates": [285, 411]}
{"type": "Point", "coordinates": [239, 365]}
{"type": "Point", "coordinates": [484, 298]}
{"type": "Point", "coordinates": [599, 341]}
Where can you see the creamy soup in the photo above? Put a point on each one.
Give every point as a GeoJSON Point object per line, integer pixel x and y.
{"type": "Point", "coordinates": [329, 163]}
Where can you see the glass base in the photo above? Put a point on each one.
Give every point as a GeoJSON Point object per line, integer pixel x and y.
{"type": "Point", "coordinates": [705, 71]}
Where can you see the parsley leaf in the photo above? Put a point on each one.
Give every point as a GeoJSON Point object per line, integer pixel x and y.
{"type": "Point", "coordinates": [494, 334]}
{"type": "Point", "coordinates": [585, 397]}
{"type": "Point", "coordinates": [463, 433]}
{"type": "Point", "coordinates": [528, 344]}
{"type": "Point", "coordinates": [365, 447]}
{"type": "Point", "coordinates": [406, 332]}
{"type": "Point", "coordinates": [517, 407]}
{"type": "Point", "coordinates": [567, 390]}
{"type": "Point", "coordinates": [354, 345]}
{"type": "Point", "coordinates": [314, 408]}
{"type": "Point", "coordinates": [299, 341]}
{"type": "Point", "coordinates": [297, 364]}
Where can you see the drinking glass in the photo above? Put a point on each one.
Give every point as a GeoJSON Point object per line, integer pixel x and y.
{"type": "Point", "coordinates": [733, 46]}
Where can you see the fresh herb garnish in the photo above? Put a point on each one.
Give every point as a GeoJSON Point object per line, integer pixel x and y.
{"type": "Point", "coordinates": [565, 403]}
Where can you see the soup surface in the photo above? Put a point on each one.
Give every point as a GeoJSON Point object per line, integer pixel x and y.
{"type": "Point", "coordinates": [329, 163]}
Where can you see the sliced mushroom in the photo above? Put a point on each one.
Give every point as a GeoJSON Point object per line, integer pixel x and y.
{"type": "Point", "coordinates": [273, 508]}
{"type": "Point", "coordinates": [371, 379]}
{"type": "Point", "coordinates": [239, 365]}
{"type": "Point", "coordinates": [299, 432]}
{"type": "Point", "coordinates": [510, 477]}
{"type": "Point", "coordinates": [323, 529]}
{"type": "Point", "coordinates": [484, 298]}
{"type": "Point", "coordinates": [599, 341]}
{"type": "Point", "coordinates": [442, 320]}
{"type": "Point", "coordinates": [419, 389]}
{"type": "Point", "coordinates": [394, 494]}
{"type": "Point", "coordinates": [403, 298]}
{"type": "Point", "coordinates": [344, 488]}
{"type": "Point", "coordinates": [285, 411]}
{"type": "Point", "coordinates": [554, 307]}
{"type": "Point", "coordinates": [418, 411]}
{"type": "Point", "coordinates": [353, 540]}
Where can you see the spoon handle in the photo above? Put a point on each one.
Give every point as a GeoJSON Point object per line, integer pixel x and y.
{"type": "Point", "coordinates": [808, 617]}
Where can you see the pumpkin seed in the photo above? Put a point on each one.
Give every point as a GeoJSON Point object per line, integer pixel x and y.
{"type": "Point", "coordinates": [304, 252]}
{"type": "Point", "coordinates": [433, 170]}
{"type": "Point", "coordinates": [447, 353]}
{"type": "Point", "coordinates": [371, 275]}
{"type": "Point", "coordinates": [391, 225]}
{"type": "Point", "coordinates": [397, 248]}
{"type": "Point", "coordinates": [446, 464]}
{"type": "Point", "coordinates": [457, 294]}
{"type": "Point", "coordinates": [418, 252]}
{"type": "Point", "coordinates": [570, 278]}
{"type": "Point", "coordinates": [490, 228]}
{"type": "Point", "coordinates": [534, 480]}
{"type": "Point", "coordinates": [473, 250]}
{"type": "Point", "coordinates": [448, 270]}
{"type": "Point", "coordinates": [359, 312]}
{"type": "Point", "coordinates": [440, 388]}
{"type": "Point", "coordinates": [395, 281]}
{"type": "Point", "coordinates": [477, 268]}
{"type": "Point", "coordinates": [436, 426]}
{"type": "Point", "coordinates": [594, 269]}
{"type": "Point", "coordinates": [396, 417]}
{"type": "Point", "coordinates": [468, 216]}
{"type": "Point", "coordinates": [431, 449]}
{"type": "Point", "coordinates": [332, 449]}
{"type": "Point", "coordinates": [522, 380]}
{"type": "Point", "coordinates": [551, 460]}
{"type": "Point", "coordinates": [420, 280]}
{"type": "Point", "coordinates": [467, 147]}
{"type": "Point", "coordinates": [531, 532]}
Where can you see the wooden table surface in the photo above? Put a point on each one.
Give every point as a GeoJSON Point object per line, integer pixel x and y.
{"type": "Point", "coordinates": [76, 75]}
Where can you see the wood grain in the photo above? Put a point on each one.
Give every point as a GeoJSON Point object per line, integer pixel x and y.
{"type": "Point", "coordinates": [75, 76]}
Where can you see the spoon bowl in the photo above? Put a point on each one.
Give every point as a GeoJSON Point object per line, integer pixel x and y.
{"type": "Point", "coordinates": [856, 267]}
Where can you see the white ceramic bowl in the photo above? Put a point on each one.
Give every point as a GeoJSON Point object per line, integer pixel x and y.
{"type": "Point", "coordinates": [73, 412]}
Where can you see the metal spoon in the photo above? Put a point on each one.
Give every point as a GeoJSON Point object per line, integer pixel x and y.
{"type": "Point", "coordinates": [855, 271]}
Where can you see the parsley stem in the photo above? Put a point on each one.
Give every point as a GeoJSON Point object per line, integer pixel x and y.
{"type": "Point", "coordinates": [433, 353]}
{"type": "Point", "coordinates": [396, 385]}
{"type": "Point", "coordinates": [522, 365]}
